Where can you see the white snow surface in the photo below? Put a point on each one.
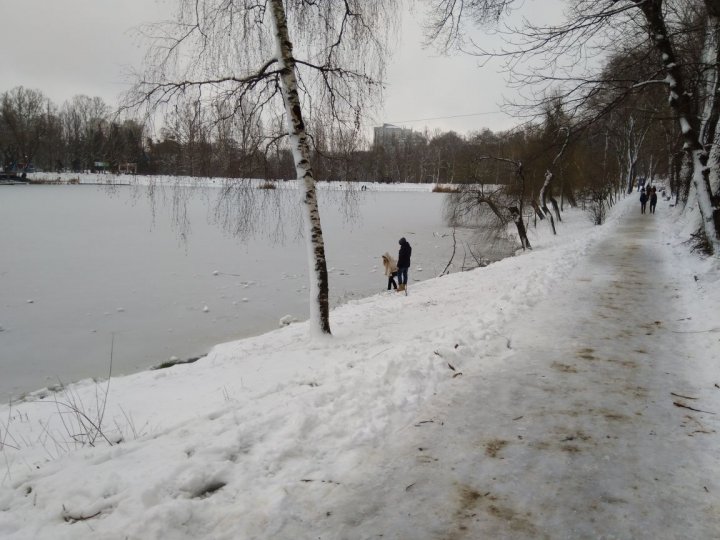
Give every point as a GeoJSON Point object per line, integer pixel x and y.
{"type": "Point", "coordinates": [544, 396]}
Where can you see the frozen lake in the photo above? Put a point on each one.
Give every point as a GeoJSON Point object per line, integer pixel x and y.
{"type": "Point", "coordinates": [81, 264]}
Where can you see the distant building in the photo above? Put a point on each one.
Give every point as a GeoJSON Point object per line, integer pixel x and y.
{"type": "Point", "coordinates": [388, 134]}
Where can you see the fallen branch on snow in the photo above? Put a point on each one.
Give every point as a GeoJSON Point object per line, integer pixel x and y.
{"type": "Point", "coordinates": [681, 396]}
{"type": "Point", "coordinates": [678, 404]}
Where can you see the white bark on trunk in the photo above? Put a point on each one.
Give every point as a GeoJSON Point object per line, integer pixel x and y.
{"type": "Point", "coordinates": [700, 180]}
{"type": "Point", "coordinates": [319, 305]}
{"type": "Point", "coordinates": [633, 141]}
{"type": "Point", "coordinates": [702, 165]}
{"type": "Point", "coordinates": [543, 203]}
{"type": "Point", "coordinates": [630, 175]}
{"type": "Point", "coordinates": [652, 163]}
{"type": "Point", "coordinates": [715, 158]}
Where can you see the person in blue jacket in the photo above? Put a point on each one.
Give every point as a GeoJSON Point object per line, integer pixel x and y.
{"type": "Point", "coordinates": [403, 264]}
{"type": "Point", "coordinates": [643, 200]}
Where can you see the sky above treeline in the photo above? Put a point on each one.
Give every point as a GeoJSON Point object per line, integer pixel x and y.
{"type": "Point", "coordinates": [70, 47]}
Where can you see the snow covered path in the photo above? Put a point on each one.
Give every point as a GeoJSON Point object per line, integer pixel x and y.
{"type": "Point", "coordinates": [575, 433]}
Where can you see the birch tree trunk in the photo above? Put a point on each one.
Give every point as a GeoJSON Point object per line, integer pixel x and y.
{"type": "Point", "coordinates": [520, 226]}
{"type": "Point", "coordinates": [711, 111]}
{"type": "Point", "coordinates": [633, 138]}
{"type": "Point", "coordinates": [632, 156]}
{"type": "Point", "coordinates": [549, 176]}
{"type": "Point", "coordinates": [319, 303]}
{"type": "Point", "coordinates": [543, 199]}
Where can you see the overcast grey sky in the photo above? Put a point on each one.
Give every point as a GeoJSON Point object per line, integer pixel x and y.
{"type": "Point", "coordinates": [70, 47]}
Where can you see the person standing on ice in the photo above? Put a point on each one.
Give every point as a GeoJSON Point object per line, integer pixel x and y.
{"type": "Point", "coordinates": [653, 200]}
{"type": "Point", "coordinates": [391, 270]}
{"type": "Point", "coordinates": [403, 263]}
{"type": "Point", "coordinates": [643, 200]}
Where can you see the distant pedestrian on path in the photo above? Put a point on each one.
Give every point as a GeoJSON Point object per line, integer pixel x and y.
{"type": "Point", "coordinates": [643, 200]}
{"type": "Point", "coordinates": [391, 270]}
{"type": "Point", "coordinates": [653, 200]}
{"type": "Point", "coordinates": [403, 264]}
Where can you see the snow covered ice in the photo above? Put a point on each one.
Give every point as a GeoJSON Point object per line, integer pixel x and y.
{"type": "Point", "coordinates": [563, 393]}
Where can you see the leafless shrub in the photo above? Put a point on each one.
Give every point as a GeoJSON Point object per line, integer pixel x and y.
{"type": "Point", "coordinates": [7, 441]}
{"type": "Point", "coordinates": [595, 202]}
{"type": "Point", "coordinates": [129, 425]}
{"type": "Point", "coordinates": [699, 243]}
{"type": "Point", "coordinates": [6, 438]}
{"type": "Point", "coordinates": [83, 423]}
{"type": "Point", "coordinates": [488, 211]}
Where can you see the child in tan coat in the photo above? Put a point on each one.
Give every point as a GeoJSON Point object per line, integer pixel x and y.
{"type": "Point", "coordinates": [390, 270]}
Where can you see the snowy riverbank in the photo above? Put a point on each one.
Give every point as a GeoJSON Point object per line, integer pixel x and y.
{"type": "Point", "coordinates": [406, 423]}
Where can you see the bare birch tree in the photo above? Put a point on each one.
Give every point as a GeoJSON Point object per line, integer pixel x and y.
{"type": "Point", "coordinates": [320, 58]}
{"type": "Point", "coordinates": [629, 142]}
{"type": "Point", "coordinates": [502, 204]}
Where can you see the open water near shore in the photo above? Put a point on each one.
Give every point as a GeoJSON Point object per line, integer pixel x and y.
{"type": "Point", "coordinates": [83, 267]}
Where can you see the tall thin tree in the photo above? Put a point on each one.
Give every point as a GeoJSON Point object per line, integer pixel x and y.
{"type": "Point", "coordinates": [324, 58]}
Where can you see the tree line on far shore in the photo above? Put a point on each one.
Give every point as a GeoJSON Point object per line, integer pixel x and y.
{"type": "Point", "coordinates": [86, 134]}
